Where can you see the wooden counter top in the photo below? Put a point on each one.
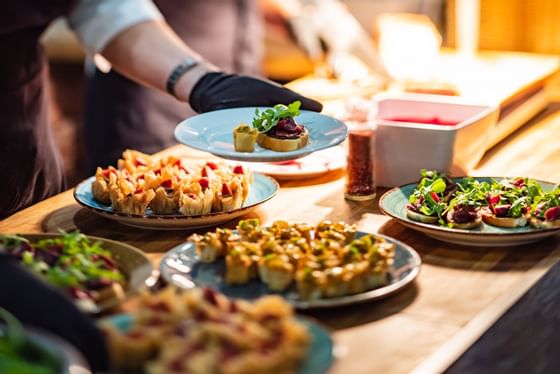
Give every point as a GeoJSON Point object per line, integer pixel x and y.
{"type": "Point", "coordinates": [459, 293]}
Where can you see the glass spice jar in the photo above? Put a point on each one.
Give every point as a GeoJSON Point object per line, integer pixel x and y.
{"type": "Point", "coordinates": [360, 169]}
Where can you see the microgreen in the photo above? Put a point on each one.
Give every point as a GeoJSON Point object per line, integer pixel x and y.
{"type": "Point", "coordinates": [268, 118]}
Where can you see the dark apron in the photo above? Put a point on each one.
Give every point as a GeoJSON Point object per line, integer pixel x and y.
{"type": "Point", "coordinates": [30, 166]}
{"type": "Point", "coordinates": [121, 114]}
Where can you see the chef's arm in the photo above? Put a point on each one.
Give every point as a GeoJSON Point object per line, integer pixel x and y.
{"type": "Point", "coordinates": [147, 52]}
{"type": "Point", "coordinates": [134, 38]}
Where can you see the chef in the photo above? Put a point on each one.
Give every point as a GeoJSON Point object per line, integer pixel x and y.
{"type": "Point", "coordinates": [133, 37]}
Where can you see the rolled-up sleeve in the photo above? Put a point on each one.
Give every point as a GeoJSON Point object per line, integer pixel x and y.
{"type": "Point", "coordinates": [97, 22]}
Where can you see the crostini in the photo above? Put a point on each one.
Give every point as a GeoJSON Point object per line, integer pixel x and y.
{"type": "Point", "coordinates": [426, 204]}
{"type": "Point", "coordinates": [277, 129]}
{"type": "Point", "coordinates": [546, 211]}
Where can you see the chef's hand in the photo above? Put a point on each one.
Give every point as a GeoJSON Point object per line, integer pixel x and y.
{"type": "Point", "coordinates": [218, 90]}
{"type": "Point", "coordinates": [36, 304]}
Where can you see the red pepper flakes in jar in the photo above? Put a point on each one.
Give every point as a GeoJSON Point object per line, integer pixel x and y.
{"type": "Point", "coordinates": [360, 173]}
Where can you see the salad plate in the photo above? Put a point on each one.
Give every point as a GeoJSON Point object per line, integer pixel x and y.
{"type": "Point", "coordinates": [213, 132]}
{"type": "Point", "coordinates": [315, 164]}
{"type": "Point", "coordinates": [318, 359]}
{"type": "Point", "coordinates": [393, 203]}
{"type": "Point", "coordinates": [262, 189]}
{"type": "Point", "coordinates": [182, 267]}
{"type": "Point", "coordinates": [132, 263]}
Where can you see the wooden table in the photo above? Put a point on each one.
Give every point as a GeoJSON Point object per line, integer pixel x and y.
{"type": "Point", "coordinates": [459, 293]}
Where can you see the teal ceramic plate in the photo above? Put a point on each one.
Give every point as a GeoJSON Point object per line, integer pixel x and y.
{"type": "Point", "coordinates": [263, 189]}
{"type": "Point", "coordinates": [213, 132]}
{"type": "Point", "coordinates": [181, 267]}
{"type": "Point", "coordinates": [319, 357]}
{"type": "Point", "coordinates": [393, 203]}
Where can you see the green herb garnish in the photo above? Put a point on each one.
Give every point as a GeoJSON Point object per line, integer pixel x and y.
{"type": "Point", "coordinates": [267, 119]}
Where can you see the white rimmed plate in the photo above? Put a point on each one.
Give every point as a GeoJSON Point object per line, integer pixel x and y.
{"type": "Point", "coordinates": [213, 132]}
{"type": "Point", "coordinates": [315, 164]}
{"type": "Point", "coordinates": [181, 267]}
{"type": "Point", "coordinates": [262, 190]}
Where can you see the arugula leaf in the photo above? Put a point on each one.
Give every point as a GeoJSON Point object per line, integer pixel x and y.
{"type": "Point", "coordinates": [267, 119]}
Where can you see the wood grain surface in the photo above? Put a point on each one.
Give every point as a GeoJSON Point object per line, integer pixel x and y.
{"type": "Point", "coordinates": [459, 293]}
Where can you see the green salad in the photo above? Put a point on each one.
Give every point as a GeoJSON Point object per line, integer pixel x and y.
{"type": "Point", "coordinates": [82, 268]}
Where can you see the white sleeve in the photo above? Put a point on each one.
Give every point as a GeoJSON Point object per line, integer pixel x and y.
{"type": "Point", "coordinates": [96, 22]}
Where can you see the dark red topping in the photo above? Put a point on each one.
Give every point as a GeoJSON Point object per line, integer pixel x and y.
{"type": "Point", "coordinates": [286, 128]}
{"type": "Point", "coordinates": [552, 214]}
{"type": "Point", "coordinates": [107, 172]}
{"type": "Point", "coordinates": [226, 191]}
{"type": "Point", "coordinates": [435, 197]}
{"type": "Point", "coordinates": [140, 162]}
{"type": "Point", "coordinates": [519, 183]}
{"type": "Point", "coordinates": [464, 214]}
{"type": "Point", "coordinates": [212, 165]}
{"type": "Point", "coordinates": [157, 172]}
{"type": "Point", "coordinates": [97, 284]}
{"type": "Point", "coordinates": [139, 190]}
{"type": "Point", "coordinates": [501, 210]}
{"type": "Point", "coordinates": [168, 183]}
{"type": "Point", "coordinates": [210, 296]}
{"type": "Point", "coordinates": [135, 334]}
{"type": "Point", "coordinates": [204, 183]}
{"type": "Point", "coordinates": [238, 169]}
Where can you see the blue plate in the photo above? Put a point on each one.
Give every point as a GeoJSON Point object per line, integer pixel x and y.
{"type": "Point", "coordinates": [262, 190]}
{"type": "Point", "coordinates": [318, 359]}
{"type": "Point", "coordinates": [213, 132]}
{"type": "Point", "coordinates": [181, 267]}
{"type": "Point", "coordinates": [393, 203]}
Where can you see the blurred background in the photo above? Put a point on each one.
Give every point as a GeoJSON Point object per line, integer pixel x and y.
{"type": "Point", "coordinates": [499, 25]}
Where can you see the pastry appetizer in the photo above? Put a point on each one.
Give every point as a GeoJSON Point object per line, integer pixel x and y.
{"type": "Point", "coordinates": [546, 210]}
{"type": "Point", "coordinates": [128, 198]}
{"type": "Point", "coordinates": [170, 185]}
{"type": "Point", "coordinates": [277, 129]}
{"type": "Point", "coordinates": [244, 138]}
{"type": "Point", "coordinates": [202, 331]}
{"type": "Point", "coordinates": [100, 187]}
{"type": "Point", "coordinates": [322, 261]}
{"type": "Point", "coordinates": [195, 198]}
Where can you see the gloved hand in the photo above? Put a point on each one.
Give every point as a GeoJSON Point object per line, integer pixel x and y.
{"type": "Point", "coordinates": [219, 91]}
{"type": "Point", "coordinates": [35, 303]}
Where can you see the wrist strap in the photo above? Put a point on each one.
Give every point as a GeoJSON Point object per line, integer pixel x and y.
{"type": "Point", "coordinates": [178, 72]}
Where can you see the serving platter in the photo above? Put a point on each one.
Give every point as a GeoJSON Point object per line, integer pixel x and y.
{"type": "Point", "coordinates": [318, 359]}
{"type": "Point", "coordinates": [263, 189]}
{"type": "Point", "coordinates": [132, 262]}
{"type": "Point", "coordinates": [393, 203]}
{"type": "Point", "coordinates": [315, 164]}
{"type": "Point", "coordinates": [181, 267]}
{"type": "Point", "coordinates": [213, 132]}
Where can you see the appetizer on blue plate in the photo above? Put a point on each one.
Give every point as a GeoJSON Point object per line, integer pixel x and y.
{"type": "Point", "coordinates": [171, 185]}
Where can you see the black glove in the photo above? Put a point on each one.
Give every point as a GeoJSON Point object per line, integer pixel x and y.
{"type": "Point", "coordinates": [219, 91]}
{"type": "Point", "coordinates": [35, 303]}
